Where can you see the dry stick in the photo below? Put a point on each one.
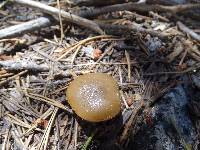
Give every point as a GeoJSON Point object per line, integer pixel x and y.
{"type": "Point", "coordinates": [123, 29]}
{"type": "Point", "coordinates": [187, 30]}
{"type": "Point", "coordinates": [11, 40]}
{"type": "Point", "coordinates": [183, 57]}
{"type": "Point", "coordinates": [156, 15]}
{"type": "Point", "coordinates": [2, 4]}
{"type": "Point", "coordinates": [29, 26]}
{"type": "Point", "coordinates": [42, 22]}
{"type": "Point", "coordinates": [55, 12]}
{"type": "Point", "coordinates": [20, 65]}
{"type": "Point", "coordinates": [13, 77]}
{"type": "Point", "coordinates": [96, 2]}
{"type": "Point", "coordinates": [136, 7]}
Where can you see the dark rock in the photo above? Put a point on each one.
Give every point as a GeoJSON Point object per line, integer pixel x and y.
{"type": "Point", "coordinates": [172, 128]}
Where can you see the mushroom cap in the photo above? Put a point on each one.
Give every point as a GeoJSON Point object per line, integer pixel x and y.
{"type": "Point", "coordinates": [94, 97]}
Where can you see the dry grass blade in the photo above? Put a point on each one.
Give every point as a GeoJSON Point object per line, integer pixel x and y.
{"type": "Point", "coordinates": [48, 100]}
{"type": "Point", "coordinates": [12, 119]}
{"type": "Point", "coordinates": [17, 121]}
{"type": "Point", "coordinates": [105, 63]}
{"type": "Point", "coordinates": [75, 53]}
{"type": "Point", "coordinates": [123, 99]}
{"type": "Point", "coordinates": [5, 75]}
{"type": "Point", "coordinates": [33, 127]}
{"type": "Point", "coordinates": [59, 90]}
{"type": "Point", "coordinates": [13, 77]}
{"type": "Point", "coordinates": [80, 43]}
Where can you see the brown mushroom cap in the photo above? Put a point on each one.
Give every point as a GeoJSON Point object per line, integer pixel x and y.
{"type": "Point", "coordinates": [94, 97]}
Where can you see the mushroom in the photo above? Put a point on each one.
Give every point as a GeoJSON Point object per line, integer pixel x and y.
{"type": "Point", "coordinates": [94, 97]}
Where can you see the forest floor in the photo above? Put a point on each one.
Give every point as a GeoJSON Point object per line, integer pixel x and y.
{"type": "Point", "coordinates": [150, 49]}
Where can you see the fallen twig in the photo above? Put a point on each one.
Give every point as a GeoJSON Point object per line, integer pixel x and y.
{"type": "Point", "coordinates": [55, 12]}
{"type": "Point", "coordinates": [23, 65]}
{"type": "Point", "coordinates": [45, 21]}
{"type": "Point", "coordinates": [123, 29]}
{"type": "Point", "coordinates": [96, 2]}
{"type": "Point", "coordinates": [187, 30]}
{"type": "Point", "coordinates": [92, 12]}
{"type": "Point", "coordinates": [29, 26]}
